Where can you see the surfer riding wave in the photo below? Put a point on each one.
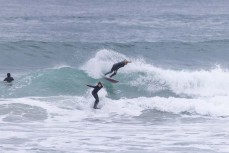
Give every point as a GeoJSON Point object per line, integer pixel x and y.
{"type": "Point", "coordinates": [117, 66]}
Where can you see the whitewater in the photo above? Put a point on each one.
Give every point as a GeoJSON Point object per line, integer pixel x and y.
{"type": "Point", "coordinates": [172, 98]}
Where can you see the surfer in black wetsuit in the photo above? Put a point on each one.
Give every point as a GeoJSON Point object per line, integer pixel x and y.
{"type": "Point", "coordinates": [94, 93]}
{"type": "Point", "coordinates": [117, 66]}
{"type": "Point", "coordinates": [8, 78]}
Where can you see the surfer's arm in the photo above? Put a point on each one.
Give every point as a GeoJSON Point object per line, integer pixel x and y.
{"type": "Point", "coordinates": [6, 80]}
{"type": "Point", "coordinates": [91, 86]}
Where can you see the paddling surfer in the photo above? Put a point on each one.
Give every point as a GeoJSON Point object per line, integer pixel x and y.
{"type": "Point", "coordinates": [8, 78]}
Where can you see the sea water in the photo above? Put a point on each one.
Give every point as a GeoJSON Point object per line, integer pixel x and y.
{"type": "Point", "coordinates": [172, 98]}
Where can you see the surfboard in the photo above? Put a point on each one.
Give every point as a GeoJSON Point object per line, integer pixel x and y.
{"type": "Point", "coordinates": [111, 80]}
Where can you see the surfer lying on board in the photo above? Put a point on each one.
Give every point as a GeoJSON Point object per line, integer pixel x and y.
{"type": "Point", "coordinates": [117, 66]}
{"type": "Point", "coordinates": [94, 93]}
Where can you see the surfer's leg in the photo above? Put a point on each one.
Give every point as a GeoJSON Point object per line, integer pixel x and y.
{"type": "Point", "coordinates": [108, 72]}
{"type": "Point", "coordinates": [96, 101]}
{"type": "Point", "coordinates": [112, 69]}
{"type": "Point", "coordinates": [115, 72]}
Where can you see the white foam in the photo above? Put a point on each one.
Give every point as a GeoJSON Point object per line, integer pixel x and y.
{"type": "Point", "coordinates": [66, 129]}
{"type": "Point", "coordinates": [68, 108]}
{"type": "Point", "coordinates": [213, 82]}
{"type": "Point", "coordinates": [102, 62]}
{"type": "Point", "coordinates": [216, 106]}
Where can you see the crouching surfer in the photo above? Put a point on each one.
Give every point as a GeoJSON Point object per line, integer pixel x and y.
{"type": "Point", "coordinates": [94, 93]}
{"type": "Point", "coordinates": [117, 66]}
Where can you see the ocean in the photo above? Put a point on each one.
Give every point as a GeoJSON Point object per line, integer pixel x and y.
{"type": "Point", "coordinates": [172, 98]}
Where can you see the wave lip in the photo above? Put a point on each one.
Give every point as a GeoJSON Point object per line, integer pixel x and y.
{"type": "Point", "coordinates": [147, 77]}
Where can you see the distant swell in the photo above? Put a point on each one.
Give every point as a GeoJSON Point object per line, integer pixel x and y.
{"type": "Point", "coordinates": [175, 55]}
